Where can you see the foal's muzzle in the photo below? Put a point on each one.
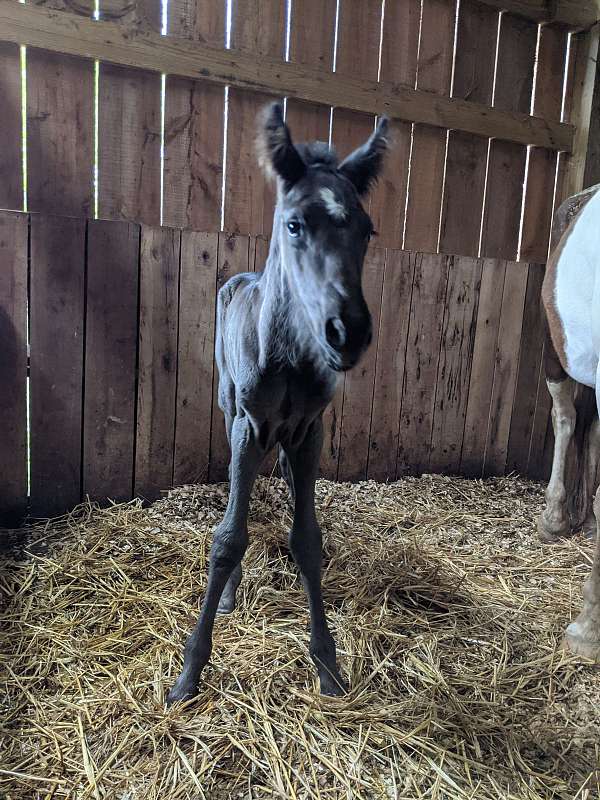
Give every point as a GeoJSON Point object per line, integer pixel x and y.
{"type": "Point", "coordinates": [348, 337]}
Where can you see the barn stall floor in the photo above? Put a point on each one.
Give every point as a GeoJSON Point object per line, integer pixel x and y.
{"type": "Point", "coordinates": [447, 610]}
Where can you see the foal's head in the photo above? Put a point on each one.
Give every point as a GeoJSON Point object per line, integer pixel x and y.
{"type": "Point", "coordinates": [323, 232]}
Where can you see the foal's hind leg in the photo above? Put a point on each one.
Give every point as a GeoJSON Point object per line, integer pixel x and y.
{"type": "Point", "coordinates": [229, 544]}
{"type": "Point", "coordinates": [227, 602]}
{"type": "Point", "coordinates": [554, 520]}
{"type": "Point", "coordinates": [306, 547]}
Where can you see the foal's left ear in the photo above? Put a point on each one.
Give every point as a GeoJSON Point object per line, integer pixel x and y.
{"type": "Point", "coordinates": [362, 167]}
{"type": "Point", "coordinates": [276, 151]}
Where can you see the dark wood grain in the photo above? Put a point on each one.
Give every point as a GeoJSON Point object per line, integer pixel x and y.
{"type": "Point", "coordinates": [157, 361]}
{"type": "Point", "coordinates": [198, 280]}
{"type": "Point", "coordinates": [11, 172]}
{"type": "Point", "coordinates": [111, 332]}
{"type": "Point", "coordinates": [13, 367]}
{"type": "Point", "coordinates": [56, 363]}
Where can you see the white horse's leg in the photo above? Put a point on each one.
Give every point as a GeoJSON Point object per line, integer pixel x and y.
{"type": "Point", "coordinates": [583, 635]}
{"type": "Point", "coordinates": [554, 520]}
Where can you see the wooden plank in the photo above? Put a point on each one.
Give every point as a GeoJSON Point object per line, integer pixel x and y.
{"type": "Point", "coordinates": [422, 359]}
{"type": "Point", "coordinates": [389, 371]}
{"type": "Point", "coordinates": [530, 364]}
{"type": "Point", "coordinates": [591, 174]}
{"type": "Point", "coordinates": [129, 127]}
{"type": "Point", "coordinates": [541, 172]}
{"type": "Point", "coordinates": [541, 429]}
{"type": "Point", "coordinates": [482, 368]}
{"type": "Point", "coordinates": [11, 172]}
{"type": "Point", "coordinates": [585, 48]}
{"type": "Point", "coordinates": [111, 332]}
{"type": "Point", "coordinates": [36, 27]}
{"type": "Point", "coordinates": [233, 258]}
{"type": "Point", "coordinates": [56, 362]}
{"type": "Point", "coordinates": [399, 46]}
{"type": "Point", "coordinates": [13, 367]}
{"type": "Point", "coordinates": [313, 45]}
{"type": "Point", "coordinates": [573, 13]}
{"type": "Point", "coordinates": [193, 173]}
{"type": "Point", "coordinates": [467, 154]}
{"type": "Point", "coordinates": [428, 154]}
{"type": "Point", "coordinates": [454, 370]}
{"type": "Point", "coordinates": [358, 387]}
{"type": "Point", "coordinates": [357, 54]}
{"type": "Point", "coordinates": [196, 347]}
{"type": "Point", "coordinates": [258, 29]}
{"type": "Point", "coordinates": [157, 361]}
{"type": "Point", "coordinates": [60, 142]}
{"type": "Point", "coordinates": [506, 167]}
{"type": "Point", "coordinates": [506, 367]}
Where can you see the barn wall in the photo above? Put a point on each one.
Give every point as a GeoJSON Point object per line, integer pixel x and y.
{"type": "Point", "coordinates": [111, 316]}
{"type": "Point", "coordinates": [122, 381]}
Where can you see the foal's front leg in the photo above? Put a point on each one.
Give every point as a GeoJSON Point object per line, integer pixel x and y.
{"type": "Point", "coordinates": [306, 547]}
{"type": "Point", "coordinates": [228, 546]}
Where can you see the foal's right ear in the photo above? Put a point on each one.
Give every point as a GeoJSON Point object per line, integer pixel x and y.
{"type": "Point", "coordinates": [276, 151]}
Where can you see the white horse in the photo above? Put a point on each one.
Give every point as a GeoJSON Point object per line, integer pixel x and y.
{"type": "Point", "coordinates": [571, 301]}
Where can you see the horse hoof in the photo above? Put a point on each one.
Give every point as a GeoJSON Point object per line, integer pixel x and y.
{"type": "Point", "coordinates": [550, 531]}
{"type": "Point", "coordinates": [333, 686]}
{"type": "Point", "coordinates": [226, 606]}
{"type": "Point", "coordinates": [580, 645]}
{"type": "Point", "coordinates": [181, 692]}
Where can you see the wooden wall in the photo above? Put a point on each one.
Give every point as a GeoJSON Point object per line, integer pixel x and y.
{"type": "Point", "coordinates": [111, 316]}
{"type": "Point", "coordinates": [122, 384]}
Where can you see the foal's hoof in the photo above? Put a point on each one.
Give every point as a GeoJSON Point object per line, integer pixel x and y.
{"type": "Point", "coordinates": [333, 685]}
{"type": "Point", "coordinates": [226, 605]}
{"type": "Point", "coordinates": [181, 691]}
{"type": "Point", "coordinates": [582, 642]}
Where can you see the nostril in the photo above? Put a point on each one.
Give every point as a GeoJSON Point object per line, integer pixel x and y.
{"type": "Point", "coordinates": [335, 333]}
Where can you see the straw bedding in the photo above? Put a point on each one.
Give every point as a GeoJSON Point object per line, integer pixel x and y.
{"type": "Point", "coordinates": [447, 611]}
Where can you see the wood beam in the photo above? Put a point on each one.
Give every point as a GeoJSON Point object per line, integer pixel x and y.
{"type": "Point", "coordinates": [582, 108]}
{"type": "Point", "coordinates": [63, 32]}
{"type": "Point", "coordinates": [575, 14]}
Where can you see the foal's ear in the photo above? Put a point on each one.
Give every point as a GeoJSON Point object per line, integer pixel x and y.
{"type": "Point", "coordinates": [363, 166]}
{"type": "Point", "coordinates": [276, 151]}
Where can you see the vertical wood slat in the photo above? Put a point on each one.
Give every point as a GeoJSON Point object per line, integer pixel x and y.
{"type": "Point", "coordinates": [258, 29]}
{"type": "Point", "coordinates": [358, 386]}
{"type": "Point", "coordinates": [312, 45]}
{"type": "Point", "coordinates": [357, 54]}
{"type": "Point", "coordinates": [389, 370]}
{"type": "Point", "coordinates": [60, 140]}
{"type": "Point", "coordinates": [157, 360]}
{"type": "Point", "coordinates": [195, 359]}
{"type": "Point", "coordinates": [547, 102]}
{"type": "Point", "coordinates": [399, 46]}
{"type": "Point", "coordinates": [505, 372]}
{"type": "Point", "coordinates": [194, 126]}
{"type": "Point", "coordinates": [422, 360]}
{"type": "Point", "coordinates": [56, 364]}
{"type": "Point", "coordinates": [111, 333]}
{"type": "Point", "coordinates": [429, 143]}
{"type": "Point", "coordinates": [13, 367]}
{"type": "Point", "coordinates": [467, 154]}
{"type": "Point", "coordinates": [482, 368]}
{"type": "Point", "coordinates": [11, 173]}
{"type": "Point", "coordinates": [454, 371]}
{"type": "Point", "coordinates": [506, 167]}
{"type": "Point", "coordinates": [129, 115]}
{"type": "Point", "coordinates": [529, 366]}
{"type": "Point", "coordinates": [233, 258]}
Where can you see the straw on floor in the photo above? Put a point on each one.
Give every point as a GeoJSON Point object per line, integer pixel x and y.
{"type": "Point", "coordinates": [447, 611]}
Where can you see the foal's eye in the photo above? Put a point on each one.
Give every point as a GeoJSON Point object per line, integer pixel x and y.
{"type": "Point", "coordinates": [294, 227]}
